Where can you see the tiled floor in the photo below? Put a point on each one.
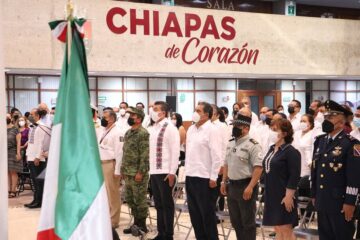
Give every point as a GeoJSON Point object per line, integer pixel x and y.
{"type": "Point", "coordinates": [23, 221]}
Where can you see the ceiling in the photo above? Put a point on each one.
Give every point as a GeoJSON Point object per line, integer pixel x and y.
{"type": "Point", "coordinates": [331, 3]}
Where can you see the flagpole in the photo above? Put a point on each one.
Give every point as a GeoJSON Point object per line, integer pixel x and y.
{"type": "Point", "coordinates": [3, 149]}
{"type": "Point", "coordinates": [70, 15]}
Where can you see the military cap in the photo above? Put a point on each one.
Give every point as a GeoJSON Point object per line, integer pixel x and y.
{"type": "Point", "coordinates": [136, 111]}
{"type": "Point", "coordinates": [333, 108]}
{"type": "Point", "coordinates": [240, 119]}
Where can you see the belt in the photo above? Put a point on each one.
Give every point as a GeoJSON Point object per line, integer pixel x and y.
{"type": "Point", "coordinates": [240, 181]}
{"type": "Point", "coordinates": [107, 161]}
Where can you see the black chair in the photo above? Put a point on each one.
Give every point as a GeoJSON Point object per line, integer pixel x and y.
{"type": "Point", "coordinates": [306, 211]}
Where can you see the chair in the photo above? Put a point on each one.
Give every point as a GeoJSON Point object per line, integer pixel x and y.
{"type": "Point", "coordinates": [305, 208]}
{"type": "Point", "coordinates": [180, 207]}
{"type": "Point", "coordinates": [24, 178]}
{"type": "Point", "coordinates": [260, 210]}
{"type": "Point", "coordinates": [223, 215]}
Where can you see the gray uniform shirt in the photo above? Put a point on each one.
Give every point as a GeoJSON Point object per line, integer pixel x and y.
{"type": "Point", "coordinates": [242, 155]}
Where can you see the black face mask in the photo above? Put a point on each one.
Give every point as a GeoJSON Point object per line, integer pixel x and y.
{"type": "Point", "coordinates": [291, 110]}
{"type": "Point", "coordinates": [8, 121]}
{"type": "Point", "coordinates": [104, 122]}
{"type": "Point", "coordinates": [311, 111]}
{"type": "Point", "coordinates": [235, 112]}
{"type": "Point", "coordinates": [327, 126]}
{"type": "Point", "coordinates": [31, 119]}
{"type": "Point", "coordinates": [268, 121]}
{"type": "Point", "coordinates": [236, 132]}
{"type": "Point", "coordinates": [16, 117]}
{"type": "Point", "coordinates": [42, 113]}
{"type": "Point", "coordinates": [131, 121]}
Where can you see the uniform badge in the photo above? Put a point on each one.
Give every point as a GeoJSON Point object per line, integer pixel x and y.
{"type": "Point", "coordinates": [337, 151]}
{"type": "Point", "coordinates": [357, 150]}
{"type": "Point", "coordinates": [335, 166]}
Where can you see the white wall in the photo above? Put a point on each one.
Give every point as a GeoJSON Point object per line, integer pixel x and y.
{"type": "Point", "coordinates": [3, 148]}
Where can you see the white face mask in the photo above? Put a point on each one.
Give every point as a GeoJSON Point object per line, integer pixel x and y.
{"type": "Point", "coordinates": [173, 122]}
{"type": "Point", "coordinates": [151, 110]}
{"type": "Point", "coordinates": [155, 116]}
{"type": "Point", "coordinates": [127, 115]}
{"type": "Point", "coordinates": [303, 126]}
{"type": "Point", "coordinates": [195, 117]}
{"type": "Point", "coordinates": [21, 123]}
{"type": "Point", "coordinates": [122, 112]}
{"type": "Point", "coordinates": [273, 137]}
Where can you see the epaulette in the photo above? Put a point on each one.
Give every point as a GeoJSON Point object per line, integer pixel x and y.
{"type": "Point", "coordinates": [351, 138]}
{"type": "Point", "coordinates": [253, 141]}
{"type": "Point", "coordinates": [320, 136]}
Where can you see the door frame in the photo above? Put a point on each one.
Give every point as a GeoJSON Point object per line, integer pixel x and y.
{"type": "Point", "coordinates": [245, 93]}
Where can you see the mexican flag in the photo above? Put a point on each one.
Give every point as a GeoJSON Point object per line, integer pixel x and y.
{"type": "Point", "coordinates": [75, 204]}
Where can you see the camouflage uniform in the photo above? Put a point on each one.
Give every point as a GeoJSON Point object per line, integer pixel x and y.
{"type": "Point", "coordinates": [136, 159]}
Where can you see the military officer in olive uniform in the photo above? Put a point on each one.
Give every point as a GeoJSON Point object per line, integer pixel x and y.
{"type": "Point", "coordinates": [335, 175]}
{"type": "Point", "coordinates": [135, 168]}
{"type": "Point", "coordinates": [242, 171]}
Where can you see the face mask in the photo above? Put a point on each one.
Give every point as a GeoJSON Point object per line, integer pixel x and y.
{"type": "Point", "coordinates": [235, 112]}
{"type": "Point", "coordinates": [263, 117]}
{"type": "Point", "coordinates": [303, 126]}
{"type": "Point", "coordinates": [151, 110]}
{"type": "Point", "coordinates": [268, 121]}
{"type": "Point", "coordinates": [42, 113]}
{"type": "Point", "coordinates": [291, 110]}
{"type": "Point", "coordinates": [356, 122]}
{"type": "Point", "coordinates": [16, 117]}
{"type": "Point", "coordinates": [122, 112]}
{"type": "Point", "coordinates": [31, 119]}
{"type": "Point", "coordinates": [311, 111]}
{"type": "Point", "coordinates": [8, 121]}
{"type": "Point", "coordinates": [319, 117]}
{"type": "Point", "coordinates": [236, 132]}
{"type": "Point", "coordinates": [195, 117]}
{"type": "Point", "coordinates": [21, 123]}
{"type": "Point", "coordinates": [273, 137]}
{"type": "Point", "coordinates": [155, 116]}
{"type": "Point", "coordinates": [131, 121]}
{"type": "Point", "coordinates": [327, 126]}
{"type": "Point", "coordinates": [281, 111]}
{"type": "Point", "coordinates": [104, 122]}
{"type": "Point", "coordinates": [174, 122]}
{"type": "Point", "coordinates": [127, 115]}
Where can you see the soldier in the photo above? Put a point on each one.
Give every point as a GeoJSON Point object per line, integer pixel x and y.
{"type": "Point", "coordinates": [334, 175]}
{"type": "Point", "coordinates": [135, 168]}
{"type": "Point", "coordinates": [242, 170]}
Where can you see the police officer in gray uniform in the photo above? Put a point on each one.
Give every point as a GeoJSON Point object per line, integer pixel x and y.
{"type": "Point", "coordinates": [242, 171]}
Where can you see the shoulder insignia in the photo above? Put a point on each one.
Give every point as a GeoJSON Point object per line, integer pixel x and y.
{"type": "Point", "coordinates": [356, 150]}
{"type": "Point", "coordinates": [253, 141]}
{"type": "Point", "coordinates": [320, 136]}
{"type": "Point", "coordinates": [351, 138]}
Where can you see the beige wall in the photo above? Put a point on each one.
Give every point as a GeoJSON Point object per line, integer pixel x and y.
{"type": "Point", "coordinates": [287, 45]}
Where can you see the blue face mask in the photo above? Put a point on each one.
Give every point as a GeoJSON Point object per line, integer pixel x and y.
{"type": "Point", "coordinates": [262, 117]}
{"type": "Point", "coordinates": [356, 122]}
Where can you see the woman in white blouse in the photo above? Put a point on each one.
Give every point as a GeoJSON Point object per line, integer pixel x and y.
{"type": "Point", "coordinates": [304, 142]}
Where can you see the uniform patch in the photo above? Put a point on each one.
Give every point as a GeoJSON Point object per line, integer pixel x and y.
{"type": "Point", "coordinates": [337, 151]}
{"type": "Point", "coordinates": [357, 150]}
{"type": "Point", "coordinates": [253, 141]}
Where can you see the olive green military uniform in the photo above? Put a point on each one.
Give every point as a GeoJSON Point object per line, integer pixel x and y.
{"type": "Point", "coordinates": [242, 156]}
{"type": "Point", "coordinates": [136, 159]}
